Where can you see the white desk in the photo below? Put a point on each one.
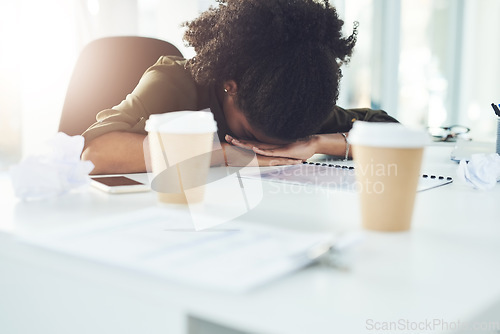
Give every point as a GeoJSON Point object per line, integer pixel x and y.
{"type": "Point", "coordinates": [446, 269]}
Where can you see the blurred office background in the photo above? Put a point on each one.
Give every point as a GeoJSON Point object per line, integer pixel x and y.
{"type": "Point", "coordinates": [426, 62]}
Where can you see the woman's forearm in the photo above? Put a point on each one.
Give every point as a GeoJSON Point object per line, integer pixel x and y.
{"type": "Point", "coordinates": [331, 144]}
{"type": "Point", "coordinates": [116, 153]}
{"type": "Point", "coordinates": [123, 152]}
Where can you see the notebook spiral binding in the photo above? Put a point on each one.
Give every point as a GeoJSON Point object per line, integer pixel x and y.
{"type": "Point", "coordinates": [425, 176]}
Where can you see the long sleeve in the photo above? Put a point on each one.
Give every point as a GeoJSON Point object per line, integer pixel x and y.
{"type": "Point", "coordinates": [341, 120]}
{"type": "Point", "coordinates": [166, 86]}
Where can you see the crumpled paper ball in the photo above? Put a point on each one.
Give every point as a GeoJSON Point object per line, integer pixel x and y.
{"type": "Point", "coordinates": [482, 171]}
{"type": "Point", "coordinates": [54, 172]}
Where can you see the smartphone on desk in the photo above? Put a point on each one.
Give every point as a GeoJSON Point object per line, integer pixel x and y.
{"type": "Point", "coordinates": [118, 184]}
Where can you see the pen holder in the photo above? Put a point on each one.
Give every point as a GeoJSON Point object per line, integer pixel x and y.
{"type": "Point", "coordinates": [498, 135]}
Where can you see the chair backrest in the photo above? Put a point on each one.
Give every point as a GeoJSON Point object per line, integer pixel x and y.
{"type": "Point", "coordinates": [106, 71]}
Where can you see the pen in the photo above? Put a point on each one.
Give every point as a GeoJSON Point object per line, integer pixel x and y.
{"type": "Point", "coordinates": [331, 253]}
{"type": "Point", "coordinates": [495, 108]}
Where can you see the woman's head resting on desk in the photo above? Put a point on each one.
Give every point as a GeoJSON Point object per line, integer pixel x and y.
{"type": "Point", "coordinates": [276, 64]}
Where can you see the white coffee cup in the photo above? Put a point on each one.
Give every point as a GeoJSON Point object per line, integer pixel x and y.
{"type": "Point", "coordinates": [180, 147]}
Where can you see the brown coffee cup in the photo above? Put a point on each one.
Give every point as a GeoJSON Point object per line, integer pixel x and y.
{"type": "Point", "coordinates": [387, 158]}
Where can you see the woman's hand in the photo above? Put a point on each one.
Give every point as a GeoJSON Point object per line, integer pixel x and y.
{"type": "Point", "coordinates": [294, 152]}
{"type": "Point", "coordinates": [236, 156]}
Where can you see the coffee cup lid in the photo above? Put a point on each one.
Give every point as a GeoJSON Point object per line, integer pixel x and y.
{"type": "Point", "coordinates": [387, 135]}
{"type": "Point", "coordinates": [182, 122]}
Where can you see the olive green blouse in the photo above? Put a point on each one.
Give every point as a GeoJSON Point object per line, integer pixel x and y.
{"type": "Point", "coordinates": [168, 86]}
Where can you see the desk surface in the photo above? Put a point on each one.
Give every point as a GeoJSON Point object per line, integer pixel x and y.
{"type": "Point", "coordinates": [440, 275]}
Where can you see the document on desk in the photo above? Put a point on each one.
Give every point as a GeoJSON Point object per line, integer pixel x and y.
{"type": "Point", "coordinates": [232, 257]}
{"type": "Point", "coordinates": [331, 176]}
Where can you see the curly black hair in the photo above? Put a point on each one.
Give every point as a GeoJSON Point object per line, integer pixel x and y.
{"type": "Point", "coordinates": [284, 55]}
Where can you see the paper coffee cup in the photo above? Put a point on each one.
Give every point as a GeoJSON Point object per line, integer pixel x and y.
{"type": "Point", "coordinates": [180, 147]}
{"type": "Point", "coordinates": [388, 158]}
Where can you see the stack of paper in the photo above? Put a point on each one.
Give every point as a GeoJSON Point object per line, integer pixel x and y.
{"type": "Point", "coordinates": [231, 256]}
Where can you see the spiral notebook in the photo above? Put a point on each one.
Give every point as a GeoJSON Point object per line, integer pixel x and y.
{"type": "Point", "coordinates": [333, 176]}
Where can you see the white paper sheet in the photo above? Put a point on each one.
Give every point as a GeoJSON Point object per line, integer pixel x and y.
{"type": "Point", "coordinates": [231, 257]}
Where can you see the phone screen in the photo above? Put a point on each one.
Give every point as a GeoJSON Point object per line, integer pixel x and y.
{"type": "Point", "coordinates": [116, 181]}
{"type": "Point", "coordinates": [118, 184]}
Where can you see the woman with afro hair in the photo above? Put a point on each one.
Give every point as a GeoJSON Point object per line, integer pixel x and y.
{"type": "Point", "coordinates": [269, 70]}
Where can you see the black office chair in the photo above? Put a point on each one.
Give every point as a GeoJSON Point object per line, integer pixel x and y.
{"type": "Point", "coordinates": [106, 71]}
